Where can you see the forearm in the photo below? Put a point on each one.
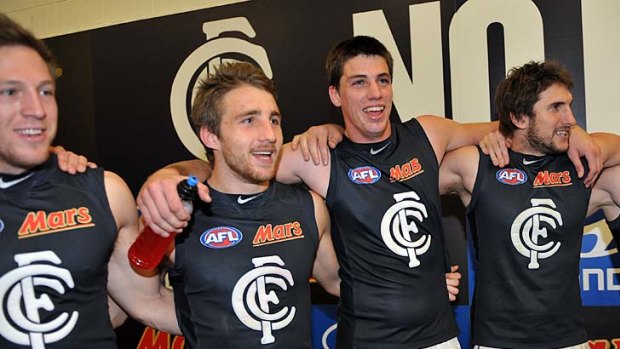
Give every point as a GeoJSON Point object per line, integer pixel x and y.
{"type": "Point", "coordinates": [610, 148]}
{"type": "Point", "coordinates": [199, 168]}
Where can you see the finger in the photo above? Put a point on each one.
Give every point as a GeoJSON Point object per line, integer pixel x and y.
{"type": "Point", "coordinates": [164, 207]}
{"type": "Point", "coordinates": [295, 142]}
{"type": "Point", "coordinates": [315, 149]}
{"type": "Point", "coordinates": [454, 268]}
{"type": "Point", "coordinates": [91, 164]}
{"type": "Point", "coordinates": [203, 192]}
{"type": "Point", "coordinates": [575, 159]}
{"type": "Point", "coordinates": [303, 144]}
{"type": "Point", "coordinates": [151, 216]}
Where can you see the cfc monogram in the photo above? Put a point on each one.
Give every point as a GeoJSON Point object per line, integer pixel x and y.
{"type": "Point", "coordinates": [530, 228]}
{"type": "Point", "coordinates": [21, 291]}
{"type": "Point", "coordinates": [399, 230]}
{"type": "Point", "coordinates": [251, 298]}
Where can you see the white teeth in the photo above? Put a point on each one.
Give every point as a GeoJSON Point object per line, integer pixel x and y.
{"type": "Point", "coordinates": [30, 131]}
{"type": "Point", "coordinates": [374, 109]}
{"type": "Point", "coordinates": [262, 153]}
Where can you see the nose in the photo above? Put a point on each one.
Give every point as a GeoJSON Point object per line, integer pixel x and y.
{"type": "Point", "coordinates": [268, 131]}
{"type": "Point", "coordinates": [374, 90]}
{"type": "Point", "coordinates": [32, 105]}
{"type": "Point", "coordinates": [569, 117]}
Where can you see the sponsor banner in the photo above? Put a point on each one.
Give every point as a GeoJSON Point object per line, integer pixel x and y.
{"type": "Point", "coordinates": [600, 266]}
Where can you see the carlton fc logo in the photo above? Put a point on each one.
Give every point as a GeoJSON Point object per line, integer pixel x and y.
{"type": "Point", "coordinates": [364, 175]}
{"type": "Point", "coordinates": [24, 298]}
{"type": "Point", "coordinates": [399, 228]}
{"type": "Point", "coordinates": [511, 176]}
{"type": "Point", "coordinates": [221, 237]}
{"type": "Point", "coordinates": [255, 297]}
{"type": "Point", "coordinates": [530, 231]}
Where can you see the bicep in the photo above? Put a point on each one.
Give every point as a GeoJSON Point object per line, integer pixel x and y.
{"type": "Point", "coordinates": [292, 169]}
{"type": "Point", "coordinates": [325, 268]}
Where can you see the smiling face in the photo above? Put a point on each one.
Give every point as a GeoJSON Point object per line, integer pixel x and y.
{"type": "Point", "coordinates": [548, 130]}
{"type": "Point", "coordinates": [365, 96]}
{"type": "Point", "coordinates": [28, 110]}
{"type": "Point", "coordinates": [250, 138]}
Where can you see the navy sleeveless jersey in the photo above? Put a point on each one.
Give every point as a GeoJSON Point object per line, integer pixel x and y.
{"type": "Point", "coordinates": [57, 233]}
{"type": "Point", "coordinates": [528, 219]}
{"type": "Point", "coordinates": [241, 270]}
{"type": "Point", "coordinates": [387, 231]}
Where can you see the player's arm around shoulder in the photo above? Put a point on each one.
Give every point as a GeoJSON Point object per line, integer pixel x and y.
{"type": "Point", "coordinates": [610, 148]}
{"type": "Point", "coordinates": [446, 134]}
{"type": "Point", "coordinates": [458, 171]}
{"type": "Point", "coordinates": [325, 268]}
{"type": "Point", "coordinates": [143, 297]}
{"type": "Point", "coordinates": [606, 193]}
{"type": "Point", "coordinates": [293, 168]}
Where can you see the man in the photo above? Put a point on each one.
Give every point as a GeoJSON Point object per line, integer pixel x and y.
{"type": "Point", "coordinates": [240, 270]}
{"type": "Point", "coordinates": [63, 238]}
{"type": "Point", "coordinates": [382, 191]}
{"type": "Point", "coordinates": [528, 217]}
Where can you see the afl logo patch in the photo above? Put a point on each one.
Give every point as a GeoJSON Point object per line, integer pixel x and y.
{"type": "Point", "coordinates": [511, 176]}
{"type": "Point", "coordinates": [364, 175]}
{"type": "Point", "coordinates": [221, 237]}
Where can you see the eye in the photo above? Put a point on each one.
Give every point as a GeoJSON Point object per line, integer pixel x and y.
{"type": "Point", "coordinates": [247, 120]}
{"type": "Point", "coordinates": [8, 92]}
{"type": "Point", "coordinates": [275, 121]}
{"type": "Point", "coordinates": [47, 92]}
{"type": "Point", "coordinates": [359, 82]}
{"type": "Point", "coordinates": [385, 81]}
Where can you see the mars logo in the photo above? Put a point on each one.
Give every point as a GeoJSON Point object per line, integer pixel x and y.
{"type": "Point", "coordinates": [221, 237]}
{"type": "Point", "coordinates": [511, 176]}
{"type": "Point", "coordinates": [364, 175]}
{"type": "Point", "coordinates": [399, 230]}
{"type": "Point", "coordinates": [22, 290]}
{"type": "Point", "coordinates": [254, 292]}
{"type": "Point", "coordinates": [217, 49]}
{"type": "Point", "coordinates": [530, 227]}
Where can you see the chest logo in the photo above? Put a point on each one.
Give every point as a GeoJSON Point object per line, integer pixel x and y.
{"type": "Point", "coordinates": [511, 176]}
{"type": "Point", "coordinates": [22, 290]}
{"type": "Point", "coordinates": [221, 237]}
{"type": "Point", "coordinates": [42, 223]}
{"type": "Point", "coordinates": [364, 175]}
{"type": "Point", "coordinates": [399, 230]}
{"type": "Point", "coordinates": [529, 231]}
{"type": "Point", "coordinates": [255, 293]}
{"type": "Point", "coordinates": [401, 173]}
{"type": "Point", "coordinates": [269, 234]}
{"type": "Point", "coordinates": [552, 179]}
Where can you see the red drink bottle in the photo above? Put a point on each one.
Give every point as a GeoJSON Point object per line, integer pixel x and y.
{"type": "Point", "coordinates": [149, 248]}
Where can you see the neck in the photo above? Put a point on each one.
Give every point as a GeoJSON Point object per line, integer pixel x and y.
{"type": "Point", "coordinates": [521, 145]}
{"type": "Point", "coordinates": [232, 183]}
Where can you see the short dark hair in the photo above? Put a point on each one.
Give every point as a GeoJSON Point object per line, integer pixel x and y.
{"type": "Point", "coordinates": [517, 94]}
{"type": "Point", "coordinates": [207, 108]}
{"type": "Point", "coordinates": [350, 48]}
{"type": "Point", "coordinates": [13, 34]}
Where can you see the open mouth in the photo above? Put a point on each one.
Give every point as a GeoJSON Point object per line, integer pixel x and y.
{"type": "Point", "coordinates": [374, 109]}
{"type": "Point", "coordinates": [562, 132]}
{"type": "Point", "coordinates": [29, 131]}
{"type": "Point", "coordinates": [264, 155]}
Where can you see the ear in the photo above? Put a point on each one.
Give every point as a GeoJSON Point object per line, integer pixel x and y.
{"type": "Point", "coordinates": [522, 121]}
{"type": "Point", "coordinates": [334, 96]}
{"type": "Point", "coordinates": [209, 139]}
